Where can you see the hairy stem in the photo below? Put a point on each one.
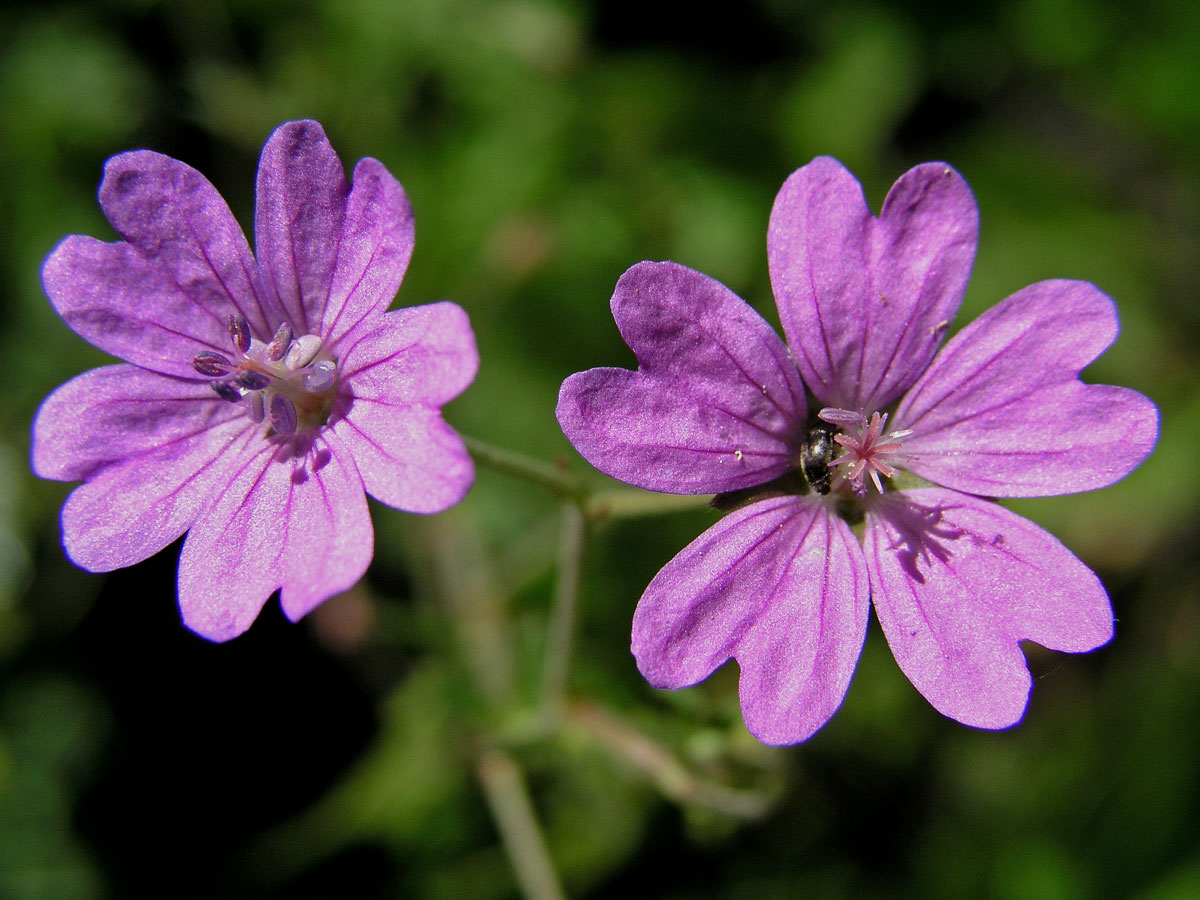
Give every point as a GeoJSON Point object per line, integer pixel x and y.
{"type": "Point", "coordinates": [532, 470]}
{"type": "Point", "coordinates": [670, 776]}
{"type": "Point", "coordinates": [628, 503]}
{"type": "Point", "coordinates": [508, 798]}
{"type": "Point", "coordinates": [560, 631]}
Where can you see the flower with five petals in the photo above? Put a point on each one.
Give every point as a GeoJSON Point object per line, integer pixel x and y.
{"type": "Point", "coordinates": [882, 493]}
{"type": "Point", "coordinates": [260, 398]}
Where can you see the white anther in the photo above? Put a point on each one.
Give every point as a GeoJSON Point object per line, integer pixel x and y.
{"type": "Point", "coordinates": [302, 352]}
{"type": "Point", "coordinates": [320, 377]}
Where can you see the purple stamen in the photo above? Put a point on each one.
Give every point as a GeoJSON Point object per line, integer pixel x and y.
{"type": "Point", "coordinates": [843, 417]}
{"type": "Point", "coordinates": [280, 343]}
{"type": "Point", "coordinates": [206, 362]}
{"type": "Point", "coordinates": [252, 381]}
{"type": "Point", "coordinates": [226, 391]}
{"type": "Point", "coordinates": [255, 408]}
{"type": "Point", "coordinates": [239, 333]}
{"type": "Point", "coordinates": [320, 377]}
{"type": "Point", "coordinates": [283, 415]}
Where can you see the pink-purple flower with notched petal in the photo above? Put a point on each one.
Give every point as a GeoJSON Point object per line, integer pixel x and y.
{"type": "Point", "coordinates": [880, 494]}
{"type": "Point", "coordinates": [259, 400]}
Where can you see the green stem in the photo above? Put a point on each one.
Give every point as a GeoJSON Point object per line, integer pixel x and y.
{"type": "Point", "coordinates": [560, 631]}
{"type": "Point", "coordinates": [477, 612]}
{"type": "Point", "coordinates": [623, 503]}
{"type": "Point", "coordinates": [508, 798]}
{"type": "Point", "coordinates": [672, 778]}
{"type": "Point", "coordinates": [520, 466]}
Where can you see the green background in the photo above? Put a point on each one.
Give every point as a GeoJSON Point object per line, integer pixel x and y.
{"type": "Point", "coordinates": [547, 146]}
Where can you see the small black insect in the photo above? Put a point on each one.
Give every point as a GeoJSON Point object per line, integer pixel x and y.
{"type": "Point", "coordinates": [817, 454]}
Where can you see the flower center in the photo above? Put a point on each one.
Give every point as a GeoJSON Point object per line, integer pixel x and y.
{"type": "Point", "coordinates": [288, 382]}
{"type": "Point", "coordinates": [866, 449]}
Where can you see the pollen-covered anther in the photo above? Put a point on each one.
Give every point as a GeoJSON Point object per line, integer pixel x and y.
{"type": "Point", "coordinates": [280, 342]}
{"type": "Point", "coordinates": [227, 391]}
{"type": "Point", "coordinates": [208, 362]}
{"type": "Point", "coordinates": [282, 414]}
{"type": "Point", "coordinates": [287, 381]}
{"type": "Point", "coordinates": [866, 449]}
{"type": "Point", "coordinates": [251, 380]}
{"type": "Point", "coordinates": [239, 333]}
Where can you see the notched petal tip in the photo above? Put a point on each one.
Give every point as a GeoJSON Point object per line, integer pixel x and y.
{"type": "Point", "coordinates": [781, 587]}
{"type": "Point", "coordinates": [126, 174]}
{"type": "Point", "coordinates": [299, 525]}
{"type": "Point", "coordinates": [939, 195]}
{"type": "Point", "coordinates": [715, 404]}
{"type": "Point", "coordinates": [1002, 412]}
{"type": "Point", "coordinates": [958, 582]}
{"type": "Point", "coordinates": [866, 300]}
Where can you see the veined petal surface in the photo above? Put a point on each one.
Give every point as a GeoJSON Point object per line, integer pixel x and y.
{"type": "Point", "coordinates": [165, 292]}
{"type": "Point", "coordinates": [958, 582]}
{"type": "Point", "coordinates": [409, 457]}
{"type": "Point", "coordinates": [107, 416]}
{"type": "Point", "coordinates": [298, 523]}
{"type": "Point", "coordinates": [301, 198]}
{"type": "Point", "coordinates": [780, 586]}
{"type": "Point", "coordinates": [865, 302]}
{"type": "Point", "coordinates": [151, 449]}
{"type": "Point", "coordinates": [396, 379]}
{"type": "Point", "coordinates": [715, 404]}
{"type": "Point", "coordinates": [372, 256]}
{"type": "Point", "coordinates": [419, 354]}
{"type": "Point", "coordinates": [1001, 412]}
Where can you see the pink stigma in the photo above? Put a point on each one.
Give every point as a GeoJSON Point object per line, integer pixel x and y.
{"type": "Point", "coordinates": [867, 450]}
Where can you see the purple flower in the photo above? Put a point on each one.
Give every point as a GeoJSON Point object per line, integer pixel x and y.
{"type": "Point", "coordinates": [259, 398]}
{"type": "Point", "coordinates": [880, 493]}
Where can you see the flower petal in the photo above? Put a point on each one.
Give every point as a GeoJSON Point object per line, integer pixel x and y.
{"type": "Point", "coordinates": [865, 302]}
{"type": "Point", "coordinates": [152, 450]}
{"type": "Point", "coordinates": [716, 403]}
{"type": "Point", "coordinates": [373, 252]}
{"type": "Point", "coordinates": [108, 416]}
{"type": "Point", "coordinates": [408, 456]}
{"type": "Point", "coordinates": [166, 291]}
{"type": "Point", "coordinates": [419, 354]}
{"type": "Point", "coordinates": [1002, 412]}
{"type": "Point", "coordinates": [299, 523]}
{"type": "Point", "coordinates": [301, 199]}
{"type": "Point", "coordinates": [780, 586]}
{"type": "Point", "coordinates": [957, 582]}
{"type": "Point", "coordinates": [396, 378]}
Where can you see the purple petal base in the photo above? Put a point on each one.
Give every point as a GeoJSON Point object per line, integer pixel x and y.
{"type": "Point", "coordinates": [780, 586]}
{"type": "Point", "coordinates": [715, 405]}
{"type": "Point", "coordinates": [1002, 412]}
{"type": "Point", "coordinates": [299, 524]}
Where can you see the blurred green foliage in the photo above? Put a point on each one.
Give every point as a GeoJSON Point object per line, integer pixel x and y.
{"type": "Point", "coordinates": [547, 145]}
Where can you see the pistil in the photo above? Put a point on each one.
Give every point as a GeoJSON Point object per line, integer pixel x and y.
{"type": "Point", "coordinates": [286, 381]}
{"type": "Point", "coordinates": [866, 448]}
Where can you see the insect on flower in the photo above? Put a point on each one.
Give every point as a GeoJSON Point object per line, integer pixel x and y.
{"type": "Point", "coordinates": [881, 493]}
{"type": "Point", "coordinates": [816, 455]}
